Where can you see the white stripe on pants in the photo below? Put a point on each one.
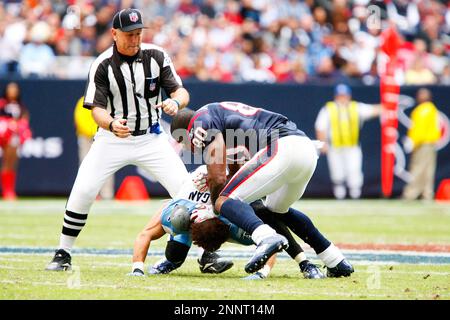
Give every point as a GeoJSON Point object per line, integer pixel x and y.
{"type": "Point", "coordinates": [109, 153]}
{"type": "Point", "coordinates": [284, 178]}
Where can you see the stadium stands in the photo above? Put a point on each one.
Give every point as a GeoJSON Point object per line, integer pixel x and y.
{"type": "Point", "coordinates": [234, 41]}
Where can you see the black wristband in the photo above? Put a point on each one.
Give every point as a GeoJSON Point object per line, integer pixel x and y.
{"type": "Point", "coordinates": [178, 104]}
{"type": "Point", "coordinates": [110, 126]}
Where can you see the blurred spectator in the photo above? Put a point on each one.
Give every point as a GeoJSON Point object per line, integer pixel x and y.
{"type": "Point", "coordinates": [418, 74]}
{"type": "Point", "coordinates": [338, 41]}
{"type": "Point", "coordinates": [208, 8]}
{"type": "Point", "coordinates": [36, 57]}
{"type": "Point", "coordinates": [14, 131]}
{"type": "Point", "coordinates": [437, 58]}
{"type": "Point", "coordinates": [405, 14]}
{"type": "Point", "coordinates": [12, 36]}
{"type": "Point", "coordinates": [423, 134]}
{"type": "Point", "coordinates": [257, 71]}
{"type": "Point", "coordinates": [445, 77]}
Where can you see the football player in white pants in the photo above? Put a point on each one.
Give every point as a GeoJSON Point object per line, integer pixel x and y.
{"type": "Point", "coordinates": [198, 192]}
{"type": "Point", "coordinates": [283, 160]}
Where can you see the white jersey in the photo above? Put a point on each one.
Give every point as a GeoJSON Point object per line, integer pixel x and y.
{"type": "Point", "coordinates": [188, 190]}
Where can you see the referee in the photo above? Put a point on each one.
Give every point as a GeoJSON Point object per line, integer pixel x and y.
{"type": "Point", "coordinates": [124, 92]}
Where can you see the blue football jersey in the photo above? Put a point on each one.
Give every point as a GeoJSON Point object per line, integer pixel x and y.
{"type": "Point", "coordinates": [241, 125]}
{"type": "Point", "coordinates": [236, 234]}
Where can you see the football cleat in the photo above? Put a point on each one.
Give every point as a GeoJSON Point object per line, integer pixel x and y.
{"type": "Point", "coordinates": [310, 270]}
{"type": "Point", "coordinates": [211, 262]}
{"type": "Point", "coordinates": [136, 273]}
{"type": "Point", "coordinates": [342, 269]}
{"type": "Point", "coordinates": [162, 267]}
{"type": "Point", "coordinates": [60, 262]}
{"type": "Point", "coordinates": [266, 248]}
{"type": "Point", "coordinates": [255, 276]}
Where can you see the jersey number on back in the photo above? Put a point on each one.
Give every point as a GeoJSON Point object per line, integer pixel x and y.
{"type": "Point", "coordinates": [199, 137]}
{"type": "Point", "coordinates": [243, 109]}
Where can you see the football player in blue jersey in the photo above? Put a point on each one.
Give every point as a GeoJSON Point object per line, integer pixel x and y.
{"type": "Point", "coordinates": [179, 244]}
{"type": "Point", "coordinates": [282, 161]}
{"type": "Point", "coordinates": [175, 219]}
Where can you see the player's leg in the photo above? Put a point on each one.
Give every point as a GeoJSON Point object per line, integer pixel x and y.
{"type": "Point", "coordinates": [102, 160]}
{"type": "Point", "coordinates": [164, 163]}
{"type": "Point", "coordinates": [353, 169]}
{"type": "Point", "coordinates": [330, 255]}
{"type": "Point", "coordinates": [265, 173]}
{"type": "Point", "coordinates": [295, 251]}
{"type": "Point", "coordinates": [177, 249]}
{"type": "Point", "coordinates": [336, 167]}
{"type": "Point", "coordinates": [279, 202]}
{"type": "Point", "coordinates": [233, 204]}
{"type": "Point", "coordinates": [303, 227]}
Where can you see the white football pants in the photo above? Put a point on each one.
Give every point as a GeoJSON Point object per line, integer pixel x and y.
{"type": "Point", "coordinates": [281, 176]}
{"type": "Point", "coordinates": [108, 154]}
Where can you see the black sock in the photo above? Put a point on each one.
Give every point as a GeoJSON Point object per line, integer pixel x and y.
{"type": "Point", "coordinates": [272, 219]}
{"type": "Point", "coordinates": [303, 227]}
{"type": "Point", "coordinates": [241, 214]}
{"type": "Point", "coordinates": [176, 252]}
{"type": "Point", "coordinates": [71, 228]}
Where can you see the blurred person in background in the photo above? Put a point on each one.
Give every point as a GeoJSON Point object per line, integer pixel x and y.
{"type": "Point", "coordinates": [12, 35]}
{"type": "Point", "coordinates": [86, 128]}
{"type": "Point", "coordinates": [14, 131]}
{"type": "Point", "coordinates": [419, 74]}
{"type": "Point", "coordinates": [405, 15]}
{"type": "Point", "coordinates": [423, 134]}
{"type": "Point", "coordinates": [338, 125]}
{"type": "Point", "coordinates": [37, 57]}
{"type": "Point", "coordinates": [445, 76]}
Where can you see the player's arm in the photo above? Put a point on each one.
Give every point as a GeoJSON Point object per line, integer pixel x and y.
{"type": "Point", "coordinates": [152, 231]}
{"type": "Point", "coordinates": [233, 168]}
{"type": "Point", "coordinates": [217, 166]}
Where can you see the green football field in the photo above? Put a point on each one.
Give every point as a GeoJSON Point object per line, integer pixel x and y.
{"type": "Point", "coordinates": [29, 232]}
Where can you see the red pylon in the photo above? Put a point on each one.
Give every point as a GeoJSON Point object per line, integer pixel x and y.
{"type": "Point", "coordinates": [443, 191]}
{"type": "Point", "coordinates": [132, 188]}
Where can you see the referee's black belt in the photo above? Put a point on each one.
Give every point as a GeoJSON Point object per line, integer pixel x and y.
{"type": "Point", "coordinates": [155, 128]}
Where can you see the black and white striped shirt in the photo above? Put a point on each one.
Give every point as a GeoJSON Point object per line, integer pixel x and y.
{"type": "Point", "coordinates": [131, 90]}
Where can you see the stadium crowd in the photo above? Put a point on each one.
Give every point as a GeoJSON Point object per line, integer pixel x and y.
{"type": "Point", "coordinates": [233, 41]}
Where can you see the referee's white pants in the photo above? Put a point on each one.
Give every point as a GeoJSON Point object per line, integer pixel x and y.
{"type": "Point", "coordinates": [282, 177]}
{"type": "Point", "coordinates": [108, 154]}
{"type": "Point", "coordinates": [345, 166]}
